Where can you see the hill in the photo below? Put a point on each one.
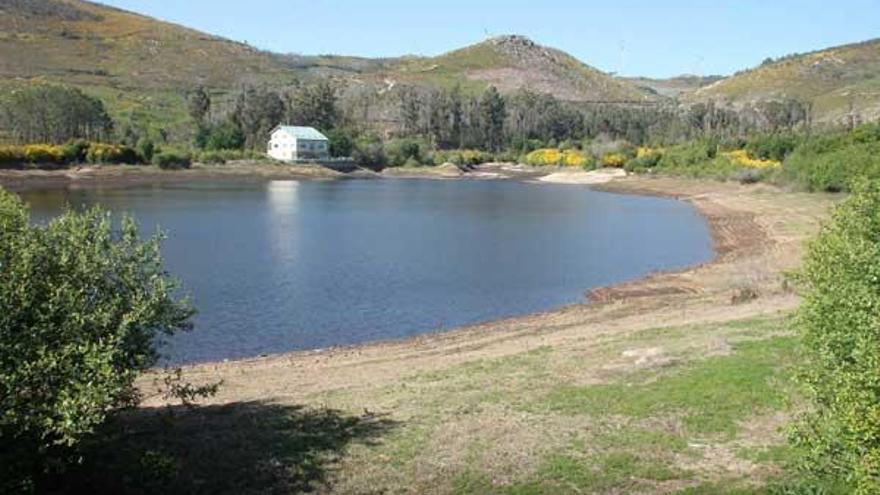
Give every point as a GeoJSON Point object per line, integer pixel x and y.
{"type": "Point", "coordinates": [837, 80]}
{"type": "Point", "coordinates": [513, 62]}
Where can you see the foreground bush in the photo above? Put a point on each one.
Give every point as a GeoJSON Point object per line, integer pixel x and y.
{"type": "Point", "coordinates": [840, 327]}
{"type": "Point", "coordinates": [81, 308]}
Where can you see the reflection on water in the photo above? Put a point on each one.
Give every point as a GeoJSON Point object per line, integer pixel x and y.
{"type": "Point", "coordinates": [281, 198]}
{"type": "Point", "coordinates": [283, 265]}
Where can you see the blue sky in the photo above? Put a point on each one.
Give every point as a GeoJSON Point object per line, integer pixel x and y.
{"type": "Point", "coordinates": [650, 38]}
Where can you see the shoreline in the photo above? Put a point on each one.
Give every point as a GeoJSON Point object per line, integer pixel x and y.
{"type": "Point", "coordinates": [137, 175]}
{"type": "Point", "coordinates": [750, 249]}
{"type": "Point", "coordinates": [96, 176]}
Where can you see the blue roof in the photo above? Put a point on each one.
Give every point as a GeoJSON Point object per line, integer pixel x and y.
{"type": "Point", "coordinates": [300, 132]}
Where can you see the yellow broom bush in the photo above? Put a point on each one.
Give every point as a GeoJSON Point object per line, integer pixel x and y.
{"type": "Point", "coordinates": [556, 157]}
{"type": "Point", "coordinates": [615, 160]}
{"type": "Point", "coordinates": [43, 153]}
{"type": "Point", "coordinates": [742, 158]}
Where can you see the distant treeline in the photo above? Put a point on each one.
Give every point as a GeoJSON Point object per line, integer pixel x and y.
{"type": "Point", "coordinates": [426, 126]}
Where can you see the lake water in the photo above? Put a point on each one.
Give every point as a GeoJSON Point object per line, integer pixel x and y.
{"type": "Point", "coordinates": [284, 265]}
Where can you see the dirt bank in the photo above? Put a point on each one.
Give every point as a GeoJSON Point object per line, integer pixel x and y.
{"type": "Point", "coordinates": [758, 233]}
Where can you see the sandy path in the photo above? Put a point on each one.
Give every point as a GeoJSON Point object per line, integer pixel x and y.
{"type": "Point", "coordinates": [758, 233]}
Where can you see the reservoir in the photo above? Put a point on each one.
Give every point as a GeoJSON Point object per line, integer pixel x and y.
{"type": "Point", "coordinates": [286, 265]}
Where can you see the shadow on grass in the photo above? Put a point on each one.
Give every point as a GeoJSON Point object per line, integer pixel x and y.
{"type": "Point", "coordinates": [250, 447]}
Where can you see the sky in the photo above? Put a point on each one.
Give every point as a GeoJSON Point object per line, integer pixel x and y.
{"type": "Point", "coordinates": [634, 38]}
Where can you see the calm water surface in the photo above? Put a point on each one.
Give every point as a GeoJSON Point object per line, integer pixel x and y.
{"type": "Point", "coordinates": [284, 265]}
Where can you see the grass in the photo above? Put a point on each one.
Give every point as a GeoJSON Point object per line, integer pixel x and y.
{"type": "Point", "coordinates": [551, 419]}
{"type": "Point", "coordinates": [711, 395]}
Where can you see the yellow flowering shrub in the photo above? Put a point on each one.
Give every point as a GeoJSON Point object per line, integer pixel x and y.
{"type": "Point", "coordinates": [643, 151]}
{"type": "Point", "coordinates": [110, 153]}
{"type": "Point", "coordinates": [616, 160]}
{"type": "Point", "coordinates": [43, 153]}
{"type": "Point", "coordinates": [742, 158]}
{"type": "Point", "coordinates": [574, 158]}
{"type": "Point", "coordinates": [554, 156]}
{"type": "Point", "coordinates": [543, 157]}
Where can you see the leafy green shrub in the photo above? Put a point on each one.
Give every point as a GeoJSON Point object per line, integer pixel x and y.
{"type": "Point", "coordinates": [369, 152]}
{"type": "Point", "coordinates": [507, 157]}
{"type": "Point", "coordinates": [76, 151]}
{"type": "Point", "coordinates": [81, 308]}
{"type": "Point", "coordinates": [145, 149]}
{"type": "Point", "coordinates": [467, 157]}
{"type": "Point", "coordinates": [172, 160]}
{"type": "Point", "coordinates": [219, 157]}
{"type": "Point", "coordinates": [839, 325]}
{"type": "Point", "coordinates": [832, 169]}
{"type": "Point", "coordinates": [223, 136]}
{"type": "Point", "coordinates": [341, 143]}
{"type": "Point", "coordinates": [399, 151]}
{"type": "Point", "coordinates": [644, 162]}
{"type": "Point", "coordinates": [772, 146]}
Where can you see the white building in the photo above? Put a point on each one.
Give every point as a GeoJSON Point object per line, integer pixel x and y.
{"type": "Point", "coordinates": [291, 143]}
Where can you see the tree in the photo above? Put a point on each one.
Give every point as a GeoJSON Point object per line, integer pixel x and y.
{"type": "Point", "coordinates": [82, 309]}
{"type": "Point", "coordinates": [410, 111]}
{"type": "Point", "coordinates": [53, 114]}
{"type": "Point", "coordinates": [257, 112]}
{"type": "Point", "coordinates": [222, 136]}
{"type": "Point", "coordinates": [199, 105]}
{"type": "Point", "coordinates": [839, 325]}
{"type": "Point", "coordinates": [314, 105]}
{"type": "Point", "coordinates": [492, 114]}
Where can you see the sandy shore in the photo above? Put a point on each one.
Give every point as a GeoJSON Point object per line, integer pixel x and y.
{"type": "Point", "coordinates": [758, 233]}
{"type": "Point", "coordinates": [601, 176]}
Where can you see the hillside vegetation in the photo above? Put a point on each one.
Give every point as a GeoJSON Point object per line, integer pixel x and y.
{"type": "Point", "coordinates": [89, 44]}
{"type": "Point", "coordinates": [840, 81]}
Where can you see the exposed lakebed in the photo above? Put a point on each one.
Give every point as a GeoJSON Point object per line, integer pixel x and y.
{"type": "Point", "coordinates": [284, 265]}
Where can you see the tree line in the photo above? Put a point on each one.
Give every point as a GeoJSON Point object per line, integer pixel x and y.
{"type": "Point", "coordinates": [490, 121]}
{"type": "Point", "coordinates": [440, 118]}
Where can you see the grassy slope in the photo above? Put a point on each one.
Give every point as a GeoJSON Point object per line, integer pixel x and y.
{"type": "Point", "coordinates": [832, 78]}
{"type": "Point", "coordinates": [89, 44]}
